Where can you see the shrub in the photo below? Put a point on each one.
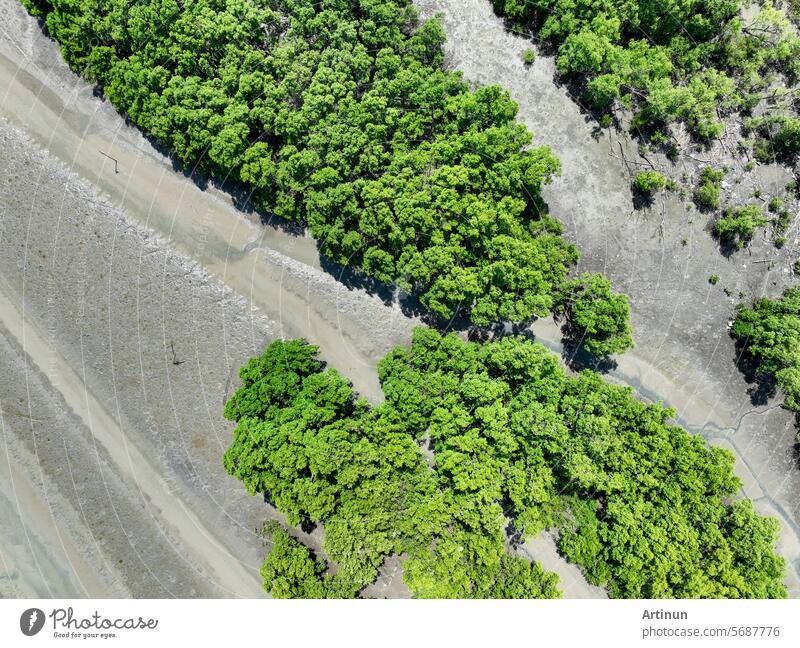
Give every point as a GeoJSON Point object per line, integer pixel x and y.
{"type": "Point", "coordinates": [782, 220]}
{"type": "Point", "coordinates": [649, 182]}
{"type": "Point", "coordinates": [529, 56]}
{"type": "Point", "coordinates": [737, 225]}
{"type": "Point", "coordinates": [710, 174]}
{"type": "Point", "coordinates": [707, 193]}
{"type": "Point", "coordinates": [770, 330]}
{"type": "Point", "coordinates": [713, 280]}
{"type": "Point", "coordinates": [778, 138]}
{"type": "Point", "coordinates": [786, 141]}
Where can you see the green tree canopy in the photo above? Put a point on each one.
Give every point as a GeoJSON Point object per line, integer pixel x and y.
{"type": "Point", "coordinates": [737, 225]}
{"type": "Point", "coordinates": [594, 316]}
{"type": "Point", "coordinates": [770, 331]}
{"type": "Point", "coordinates": [646, 509]}
{"type": "Point", "coordinates": [340, 115]}
{"type": "Point", "coordinates": [690, 61]}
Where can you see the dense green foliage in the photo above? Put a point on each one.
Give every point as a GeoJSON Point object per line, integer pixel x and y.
{"type": "Point", "coordinates": [595, 318]}
{"type": "Point", "coordinates": [737, 225]}
{"type": "Point", "coordinates": [644, 507]}
{"type": "Point", "coordinates": [649, 182]}
{"type": "Point", "coordinates": [323, 456]}
{"type": "Point", "coordinates": [770, 331]}
{"type": "Point", "coordinates": [339, 114]}
{"type": "Point", "coordinates": [290, 569]}
{"type": "Point", "coordinates": [688, 61]}
{"type": "Point", "coordinates": [707, 193]}
{"type": "Point", "coordinates": [37, 7]}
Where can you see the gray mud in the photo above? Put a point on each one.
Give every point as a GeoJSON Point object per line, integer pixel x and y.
{"type": "Point", "coordinates": [147, 335]}
{"type": "Point", "coordinates": [94, 303]}
{"type": "Point", "coordinates": [78, 532]}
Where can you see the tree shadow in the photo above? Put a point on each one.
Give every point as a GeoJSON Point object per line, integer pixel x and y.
{"type": "Point", "coordinates": [195, 173]}
{"type": "Point", "coordinates": [496, 330]}
{"type": "Point", "coordinates": [762, 386]}
{"type": "Point", "coordinates": [355, 279]}
{"type": "Point", "coordinates": [242, 196]}
{"type": "Point", "coordinates": [306, 524]}
{"type": "Point", "coordinates": [410, 304]}
{"type": "Point", "coordinates": [796, 444]}
{"type": "Point", "coordinates": [41, 22]}
{"type": "Point", "coordinates": [577, 358]}
{"type": "Point", "coordinates": [514, 535]}
{"type": "Point", "coordinates": [575, 355]}
{"type": "Point", "coordinates": [594, 116]}
{"type": "Point", "coordinates": [727, 246]}
{"type": "Point", "coordinates": [642, 200]}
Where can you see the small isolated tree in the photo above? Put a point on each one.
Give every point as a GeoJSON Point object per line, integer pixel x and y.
{"type": "Point", "coordinates": [787, 140]}
{"type": "Point", "coordinates": [648, 183]}
{"type": "Point", "coordinates": [595, 317]}
{"type": "Point", "coordinates": [529, 56]}
{"type": "Point", "coordinates": [707, 194]}
{"type": "Point", "coordinates": [738, 225]}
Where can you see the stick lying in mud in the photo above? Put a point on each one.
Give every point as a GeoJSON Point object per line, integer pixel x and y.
{"type": "Point", "coordinates": [116, 164]}
{"type": "Point", "coordinates": [175, 360]}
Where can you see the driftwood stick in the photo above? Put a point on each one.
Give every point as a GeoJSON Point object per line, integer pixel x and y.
{"type": "Point", "coordinates": [116, 164]}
